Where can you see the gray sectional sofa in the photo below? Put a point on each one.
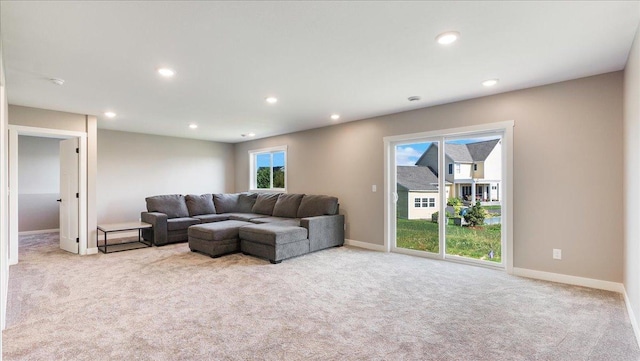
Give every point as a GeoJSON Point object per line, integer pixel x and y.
{"type": "Point", "coordinates": [275, 226]}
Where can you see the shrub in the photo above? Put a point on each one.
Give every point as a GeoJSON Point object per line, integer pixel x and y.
{"type": "Point", "coordinates": [456, 203]}
{"type": "Point", "coordinates": [475, 215]}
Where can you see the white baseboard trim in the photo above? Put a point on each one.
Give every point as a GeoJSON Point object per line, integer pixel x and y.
{"type": "Point", "coordinates": [365, 245]}
{"type": "Point", "coordinates": [40, 231]}
{"type": "Point", "coordinates": [93, 250]}
{"type": "Point", "coordinates": [632, 317]}
{"type": "Point", "coordinates": [571, 280]}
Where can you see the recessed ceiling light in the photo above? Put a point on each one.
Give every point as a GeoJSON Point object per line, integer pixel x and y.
{"type": "Point", "coordinates": [271, 100]}
{"type": "Point", "coordinates": [193, 126]}
{"type": "Point", "coordinates": [414, 98]}
{"type": "Point", "coordinates": [57, 81]}
{"type": "Point", "coordinates": [490, 82]}
{"type": "Point", "coordinates": [166, 72]}
{"type": "Point", "coordinates": [447, 37]}
{"type": "Point", "coordinates": [335, 116]}
{"type": "Point", "coordinates": [110, 114]}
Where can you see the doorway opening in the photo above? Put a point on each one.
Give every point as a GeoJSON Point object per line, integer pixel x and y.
{"type": "Point", "coordinates": [73, 238]}
{"type": "Point", "coordinates": [449, 194]}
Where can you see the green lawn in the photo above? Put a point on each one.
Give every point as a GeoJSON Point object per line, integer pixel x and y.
{"type": "Point", "coordinates": [461, 241]}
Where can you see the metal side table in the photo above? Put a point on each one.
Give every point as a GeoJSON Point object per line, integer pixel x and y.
{"type": "Point", "coordinates": [122, 227]}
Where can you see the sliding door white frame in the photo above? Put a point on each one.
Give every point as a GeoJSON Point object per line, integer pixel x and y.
{"type": "Point", "coordinates": [390, 198]}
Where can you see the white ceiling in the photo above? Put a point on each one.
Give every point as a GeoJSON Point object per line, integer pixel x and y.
{"type": "Point", "coordinates": [358, 59]}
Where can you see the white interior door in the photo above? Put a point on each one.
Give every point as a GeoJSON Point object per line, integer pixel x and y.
{"type": "Point", "coordinates": [69, 190]}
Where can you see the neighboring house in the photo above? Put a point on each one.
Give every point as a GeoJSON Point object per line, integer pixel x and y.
{"type": "Point", "coordinates": [417, 190]}
{"type": "Point", "coordinates": [473, 171]}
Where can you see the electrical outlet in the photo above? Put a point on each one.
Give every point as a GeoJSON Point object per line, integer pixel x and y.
{"type": "Point", "coordinates": [374, 188]}
{"type": "Point", "coordinates": [557, 253]}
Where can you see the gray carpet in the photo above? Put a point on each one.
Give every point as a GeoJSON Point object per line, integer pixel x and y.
{"type": "Point", "coordinates": [344, 303]}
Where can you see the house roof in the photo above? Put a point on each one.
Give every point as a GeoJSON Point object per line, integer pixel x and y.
{"type": "Point", "coordinates": [466, 153]}
{"type": "Point", "coordinates": [458, 152]}
{"type": "Point", "coordinates": [416, 178]}
{"type": "Point", "coordinates": [479, 151]}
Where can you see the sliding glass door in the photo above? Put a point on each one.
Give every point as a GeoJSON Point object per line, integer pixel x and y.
{"type": "Point", "coordinates": [474, 201]}
{"type": "Point", "coordinates": [447, 196]}
{"type": "Point", "coordinates": [418, 197]}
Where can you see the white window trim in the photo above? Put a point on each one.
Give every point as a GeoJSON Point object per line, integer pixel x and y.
{"type": "Point", "coordinates": [252, 165]}
{"type": "Point", "coordinates": [438, 135]}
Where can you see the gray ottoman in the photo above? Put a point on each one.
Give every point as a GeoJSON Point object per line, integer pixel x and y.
{"type": "Point", "coordinates": [274, 241]}
{"type": "Point", "coordinates": [215, 239]}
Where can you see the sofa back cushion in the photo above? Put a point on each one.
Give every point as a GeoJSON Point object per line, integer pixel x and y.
{"type": "Point", "coordinates": [226, 202]}
{"type": "Point", "coordinates": [199, 205]}
{"type": "Point", "coordinates": [317, 205]}
{"type": "Point", "coordinates": [246, 201]}
{"type": "Point", "coordinates": [173, 205]}
{"type": "Point", "coordinates": [265, 203]}
{"type": "Point", "coordinates": [287, 205]}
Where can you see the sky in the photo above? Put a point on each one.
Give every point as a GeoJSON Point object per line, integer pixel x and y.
{"type": "Point", "coordinates": [408, 154]}
{"type": "Point", "coordinates": [264, 159]}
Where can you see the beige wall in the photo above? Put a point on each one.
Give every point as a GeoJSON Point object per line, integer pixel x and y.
{"type": "Point", "coordinates": [632, 178]}
{"type": "Point", "coordinates": [133, 166]}
{"type": "Point", "coordinates": [43, 118]}
{"type": "Point", "coordinates": [561, 130]}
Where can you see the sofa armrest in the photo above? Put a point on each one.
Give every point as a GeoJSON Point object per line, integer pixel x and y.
{"type": "Point", "coordinates": [158, 234]}
{"type": "Point", "coordinates": [324, 231]}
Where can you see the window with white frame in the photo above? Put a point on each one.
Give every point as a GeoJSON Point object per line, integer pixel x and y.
{"type": "Point", "coordinates": [424, 202]}
{"type": "Point", "coordinates": [457, 168]}
{"type": "Point", "coordinates": [268, 169]}
{"type": "Point", "coordinates": [450, 168]}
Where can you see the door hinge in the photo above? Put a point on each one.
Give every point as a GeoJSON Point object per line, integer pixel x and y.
{"type": "Point", "coordinates": [77, 240]}
{"type": "Point", "coordinates": [77, 195]}
{"type": "Point", "coordinates": [78, 150]}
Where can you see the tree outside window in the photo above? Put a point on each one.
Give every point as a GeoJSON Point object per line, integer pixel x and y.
{"type": "Point", "coordinates": [269, 169]}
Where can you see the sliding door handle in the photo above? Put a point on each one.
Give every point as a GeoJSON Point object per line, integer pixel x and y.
{"type": "Point", "coordinates": [59, 200]}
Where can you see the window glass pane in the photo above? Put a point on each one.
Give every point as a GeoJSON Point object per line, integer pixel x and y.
{"type": "Point", "coordinates": [278, 170]}
{"type": "Point", "coordinates": [263, 173]}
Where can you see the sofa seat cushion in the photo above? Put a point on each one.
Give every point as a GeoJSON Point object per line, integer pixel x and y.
{"type": "Point", "coordinates": [199, 205]}
{"type": "Point", "coordinates": [317, 205]}
{"type": "Point", "coordinates": [173, 205]}
{"type": "Point", "coordinates": [217, 231]}
{"type": "Point", "coordinates": [244, 216]}
{"type": "Point", "coordinates": [208, 218]}
{"type": "Point", "coordinates": [281, 220]}
{"type": "Point", "coordinates": [273, 233]}
{"type": "Point", "coordinates": [175, 224]}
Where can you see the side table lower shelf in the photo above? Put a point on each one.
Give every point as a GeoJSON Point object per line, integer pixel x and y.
{"type": "Point", "coordinates": [121, 227]}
